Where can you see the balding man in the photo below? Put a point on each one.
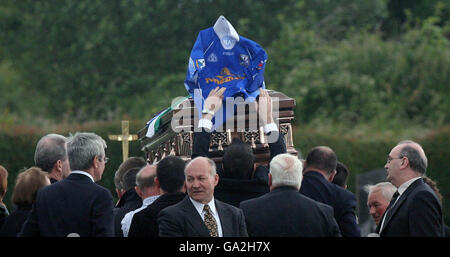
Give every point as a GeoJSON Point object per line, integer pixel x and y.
{"type": "Point", "coordinates": [284, 211]}
{"type": "Point", "coordinates": [147, 190]}
{"type": "Point", "coordinates": [319, 171]}
{"type": "Point", "coordinates": [415, 210]}
{"type": "Point", "coordinates": [51, 157]}
{"type": "Point", "coordinates": [199, 214]}
{"type": "Point", "coordinates": [170, 181]}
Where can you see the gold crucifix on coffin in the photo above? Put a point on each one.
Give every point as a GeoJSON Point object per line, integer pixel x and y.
{"type": "Point", "coordinates": [125, 138]}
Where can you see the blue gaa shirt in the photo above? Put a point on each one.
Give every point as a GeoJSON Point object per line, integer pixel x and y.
{"type": "Point", "coordinates": [222, 58]}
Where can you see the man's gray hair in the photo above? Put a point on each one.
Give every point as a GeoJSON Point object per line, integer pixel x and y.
{"type": "Point", "coordinates": [82, 149]}
{"type": "Point", "coordinates": [387, 189]}
{"type": "Point", "coordinates": [286, 170]}
{"type": "Point", "coordinates": [414, 152]}
{"type": "Point", "coordinates": [49, 150]}
{"type": "Point", "coordinates": [211, 163]}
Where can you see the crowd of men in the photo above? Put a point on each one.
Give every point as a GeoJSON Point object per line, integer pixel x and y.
{"type": "Point", "coordinates": [290, 197]}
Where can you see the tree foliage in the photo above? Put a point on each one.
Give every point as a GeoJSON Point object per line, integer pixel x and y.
{"type": "Point", "coordinates": [364, 78]}
{"type": "Point", "coordinates": [347, 60]}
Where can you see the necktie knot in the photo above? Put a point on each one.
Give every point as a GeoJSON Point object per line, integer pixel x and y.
{"type": "Point", "coordinates": [395, 196]}
{"type": "Point", "coordinates": [393, 199]}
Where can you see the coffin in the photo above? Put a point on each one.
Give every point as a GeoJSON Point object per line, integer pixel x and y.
{"type": "Point", "coordinates": [174, 135]}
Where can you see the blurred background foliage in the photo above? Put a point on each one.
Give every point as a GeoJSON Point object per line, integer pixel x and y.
{"type": "Point", "coordinates": [345, 60]}
{"type": "Point", "coordinates": [364, 74]}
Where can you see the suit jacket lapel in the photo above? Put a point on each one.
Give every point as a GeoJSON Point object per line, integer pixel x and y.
{"type": "Point", "coordinates": [225, 219]}
{"type": "Point", "coordinates": [194, 219]}
{"type": "Point", "coordinates": [400, 201]}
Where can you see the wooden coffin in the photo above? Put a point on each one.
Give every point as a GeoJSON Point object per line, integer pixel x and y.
{"type": "Point", "coordinates": [169, 141]}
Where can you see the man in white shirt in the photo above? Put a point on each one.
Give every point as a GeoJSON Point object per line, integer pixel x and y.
{"type": "Point", "coordinates": [415, 210]}
{"type": "Point", "coordinates": [147, 189]}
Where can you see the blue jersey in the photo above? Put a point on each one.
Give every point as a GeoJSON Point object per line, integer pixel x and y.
{"type": "Point", "coordinates": [240, 69]}
{"type": "Point", "coordinates": [213, 63]}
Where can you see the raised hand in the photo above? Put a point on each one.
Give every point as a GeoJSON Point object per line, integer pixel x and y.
{"type": "Point", "coordinates": [214, 101]}
{"type": "Point", "coordinates": [265, 107]}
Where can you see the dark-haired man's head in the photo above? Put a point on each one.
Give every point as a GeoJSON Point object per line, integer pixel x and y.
{"type": "Point", "coordinates": [129, 178]}
{"type": "Point", "coordinates": [132, 162]}
{"type": "Point", "coordinates": [238, 160]}
{"type": "Point", "coordinates": [322, 159]}
{"type": "Point", "coordinates": [170, 174]}
{"type": "Point", "coordinates": [341, 176]}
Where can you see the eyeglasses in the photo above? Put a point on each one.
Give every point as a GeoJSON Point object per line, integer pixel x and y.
{"type": "Point", "coordinates": [389, 159]}
{"type": "Point", "coordinates": [106, 159]}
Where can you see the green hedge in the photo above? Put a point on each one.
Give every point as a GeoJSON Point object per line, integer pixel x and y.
{"type": "Point", "coordinates": [360, 152]}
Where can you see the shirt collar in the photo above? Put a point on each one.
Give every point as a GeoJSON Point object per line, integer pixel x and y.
{"type": "Point", "coordinates": [149, 200]}
{"type": "Point", "coordinates": [199, 206]}
{"type": "Point", "coordinates": [84, 173]}
{"type": "Point", "coordinates": [402, 188]}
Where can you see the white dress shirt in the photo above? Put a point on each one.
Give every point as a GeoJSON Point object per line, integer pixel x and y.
{"type": "Point", "coordinates": [128, 218]}
{"type": "Point", "coordinates": [199, 207]}
{"type": "Point", "coordinates": [402, 188]}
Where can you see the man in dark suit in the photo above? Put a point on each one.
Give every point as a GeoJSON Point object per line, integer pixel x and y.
{"type": "Point", "coordinates": [240, 179]}
{"type": "Point", "coordinates": [75, 205]}
{"type": "Point", "coordinates": [284, 211]}
{"type": "Point", "coordinates": [147, 189]}
{"type": "Point", "coordinates": [199, 214]}
{"type": "Point", "coordinates": [129, 201]}
{"type": "Point", "coordinates": [415, 210]}
{"type": "Point", "coordinates": [170, 181]}
{"type": "Point", "coordinates": [320, 168]}
{"type": "Point", "coordinates": [51, 157]}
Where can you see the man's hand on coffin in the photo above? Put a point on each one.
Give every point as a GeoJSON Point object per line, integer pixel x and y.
{"type": "Point", "coordinates": [265, 107]}
{"type": "Point", "coordinates": [213, 102]}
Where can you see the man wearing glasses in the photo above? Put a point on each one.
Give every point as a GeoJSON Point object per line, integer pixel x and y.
{"type": "Point", "coordinates": [415, 210]}
{"type": "Point", "coordinates": [75, 206]}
